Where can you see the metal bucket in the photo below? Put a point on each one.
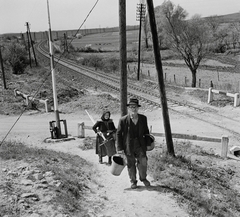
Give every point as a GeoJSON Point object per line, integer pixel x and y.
{"type": "Point", "coordinates": [118, 164]}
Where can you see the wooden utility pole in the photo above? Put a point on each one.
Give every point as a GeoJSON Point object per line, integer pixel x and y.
{"type": "Point", "coordinates": [158, 63]}
{"type": "Point", "coordinates": [65, 43]}
{"type": "Point", "coordinates": [29, 53]}
{"type": "Point", "coordinates": [3, 73]}
{"type": "Point", "coordinates": [31, 42]}
{"type": "Point", "coordinates": [23, 39]}
{"type": "Point", "coordinates": [123, 56]}
{"type": "Point", "coordinates": [140, 16]}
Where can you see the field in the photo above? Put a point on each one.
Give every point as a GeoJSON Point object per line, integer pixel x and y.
{"type": "Point", "coordinates": [106, 41]}
{"type": "Point", "coordinates": [222, 69]}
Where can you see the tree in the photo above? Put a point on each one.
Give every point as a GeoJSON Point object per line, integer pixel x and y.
{"type": "Point", "coordinates": [146, 30]}
{"type": "Point", "coordinates": [213, 22]}
{"type": "Point", "coordinates": [235, 34]}
{"type": "Point", "coordinates": [15, 55]}
{"type": "Point", "coordinates": [190, 38]}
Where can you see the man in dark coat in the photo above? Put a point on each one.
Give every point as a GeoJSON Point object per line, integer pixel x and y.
{"type": "Point", "coordinates": [132, 142]}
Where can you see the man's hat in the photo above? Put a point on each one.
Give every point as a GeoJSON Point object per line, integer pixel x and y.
{"type": "Point", "coordinates": [133, 101]}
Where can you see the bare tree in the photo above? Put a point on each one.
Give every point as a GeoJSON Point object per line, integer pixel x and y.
{"type": "Point", "coordinates": [235, 34]}
{"type": "Point", "coordinates": [190, 38]}
{"type": "Point", "coordinates": [213, 22]}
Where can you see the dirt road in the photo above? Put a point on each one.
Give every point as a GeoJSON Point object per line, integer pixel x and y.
{"type": "Point", "coordinates": [121, 200]}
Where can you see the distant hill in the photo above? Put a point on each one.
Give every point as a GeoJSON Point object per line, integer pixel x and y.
{"type": "Point", "coordinates": [228, 18]}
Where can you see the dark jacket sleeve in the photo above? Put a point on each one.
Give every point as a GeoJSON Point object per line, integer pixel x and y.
{"type": "Point", "coordinates": [96, 126]}
{"type": "Point", "coordinates": [146, 126]}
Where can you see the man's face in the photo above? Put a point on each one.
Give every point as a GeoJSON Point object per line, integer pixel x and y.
{"type": "Point", "coordinates": [133, 109]}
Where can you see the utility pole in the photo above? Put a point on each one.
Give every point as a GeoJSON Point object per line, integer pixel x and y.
{"type": "Point", "coordinates": [3, 73]}
{"type": "Point", "coordinates": [31, 41]}
{"type": "Point", "coordinates": [123, 56]}
{"type": "Point", "coordinates": [29, 53]}
{"type": "Point", "coordinates": [158, 63]}
{"type": "Point", "coordinates": [58, 127]}
{"type": "Point", "coordinates": [23, 39]}
{"type": "Point", "coordinates": [65, 43]}
{"type": "Point", "coordinates": [141, 9]}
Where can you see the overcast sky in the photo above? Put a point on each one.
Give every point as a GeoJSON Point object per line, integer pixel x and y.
{"type": "Point", "coordinates": [70, 14]}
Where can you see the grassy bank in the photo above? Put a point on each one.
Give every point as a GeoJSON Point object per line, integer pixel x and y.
{"type": "Point", "coordinates": [66, 180]}
{"type": "Point", "coordinates": [197, 179]}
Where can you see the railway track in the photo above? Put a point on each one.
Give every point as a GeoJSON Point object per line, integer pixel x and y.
{"type": "Point", "coordinates": [146, 94]}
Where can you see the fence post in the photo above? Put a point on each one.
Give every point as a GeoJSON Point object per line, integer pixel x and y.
{"type": "Point", "coordinates": [28, 101]}
{"type": "Point", "coordinates": [65, 128]}
{"type": "Point", "coordinates": [47, 106]}
{"type": "Point", "coordinates": [210, 95]}
{"type": "Point", "coordinates": [225, 141]}
{"type": "Point", "coordinates": [15, 92]}
{"type": "Point", "coordinates": [236, 99]}
{"type": "Point", "coordinates": [81, 132]}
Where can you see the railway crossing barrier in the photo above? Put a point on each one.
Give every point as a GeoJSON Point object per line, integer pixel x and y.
{"type": "Point", "coordinates": [234, 95]}
{"type": "Point", "coordinates": [29, 100]}
{"type": "Point", "coordinates": [224, 140]}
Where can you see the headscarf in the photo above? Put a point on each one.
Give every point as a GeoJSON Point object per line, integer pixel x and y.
{"type": "Point", "coordinates": [103, 118]}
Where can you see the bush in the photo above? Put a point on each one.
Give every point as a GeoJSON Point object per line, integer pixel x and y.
{"type": "Point", "coordinates": [15, 55]}
{"type": "Point", "coordinates": [93, 61]}
{"type": "Point", "coordinates": [111, 64]}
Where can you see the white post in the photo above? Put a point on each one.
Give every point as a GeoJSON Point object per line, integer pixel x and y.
{"type": "Point", "coordinates": [27, 101]}
{"type": "Point", "coordinates": [225, 141]}
{"type": "Point", "coordinates": [236, 99]}
{"type": "Point", "coordinates": [81, 131]}
{"type": "Point", "coordinates": [47, 106]}
{"type": "Point", "coordinates": [15, 92]}
{"type": "Point", "coordinates": [210, 95]}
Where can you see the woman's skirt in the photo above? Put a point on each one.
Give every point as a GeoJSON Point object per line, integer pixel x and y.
{"type": "Point", "coordinates": [105, 148]}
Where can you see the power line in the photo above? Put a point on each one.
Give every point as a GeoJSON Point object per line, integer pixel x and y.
{"type": "Point", "coordinates": [48, 74]}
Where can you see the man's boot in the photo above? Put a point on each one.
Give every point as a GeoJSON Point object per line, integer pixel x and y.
{"type": "Point", "coordinates": [109, 160]}
{"type": "Point", "coordinates": [100, 160]}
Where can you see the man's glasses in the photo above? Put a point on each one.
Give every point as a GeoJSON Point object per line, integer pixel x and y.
{"type": "Point", "coordinates": [133, 107]}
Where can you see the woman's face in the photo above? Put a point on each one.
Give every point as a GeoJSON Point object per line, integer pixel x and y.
{"type": "Point", "coordinates": [107, 116]}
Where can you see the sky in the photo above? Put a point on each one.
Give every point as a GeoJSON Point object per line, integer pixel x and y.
{"type": "Point", "coordinates": [70, 14]}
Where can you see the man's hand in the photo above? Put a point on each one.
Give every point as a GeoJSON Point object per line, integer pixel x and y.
{"type": "Point", "coordinates": [120, 152]}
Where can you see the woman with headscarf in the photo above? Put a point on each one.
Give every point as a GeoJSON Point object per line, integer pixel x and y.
{"type": "Point", "coordinates": [105, 139]}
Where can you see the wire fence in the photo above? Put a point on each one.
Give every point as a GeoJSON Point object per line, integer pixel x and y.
{"type": "Point", "coordinates": [180, 76]}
